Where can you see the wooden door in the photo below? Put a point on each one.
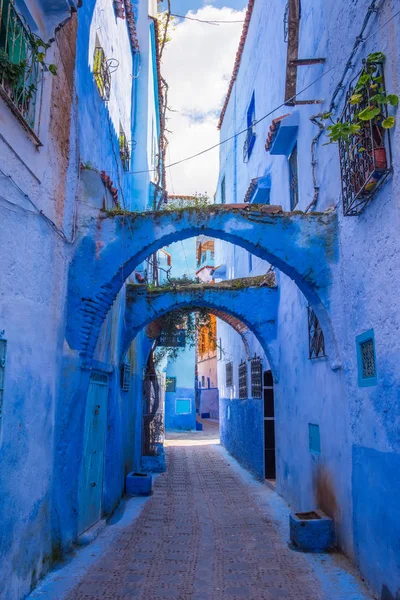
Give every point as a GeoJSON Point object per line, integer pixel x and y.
{"type": "Point", "coordinates": [269, 426]}
{"type": "Point", "coordinates": [92, 468]}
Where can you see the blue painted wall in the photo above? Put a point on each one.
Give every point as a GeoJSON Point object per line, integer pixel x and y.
{"type": "Point", "coordinates": [42, 426]}
{"type": "Point", "coordinates": [358, 425]}
{"type": "Point", "coordinates": [183, 369]}
{"type": "Point", "coordinates": [242, 433]}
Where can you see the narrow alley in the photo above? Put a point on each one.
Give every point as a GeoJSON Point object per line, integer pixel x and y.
{"type": "Point", "coordinates": [199, 299]}
{"type": "Point", "coordinates": [209, 532]}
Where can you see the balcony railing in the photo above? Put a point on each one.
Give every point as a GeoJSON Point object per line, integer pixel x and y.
{"type": "Point", "coordinates": [365, 158]}
{"type": "Point", "coordinates": [20, 68]}
{"type": "Point", "coordinates": [102, 73]}
{"type": "Point", "coordinates": [124, 150]}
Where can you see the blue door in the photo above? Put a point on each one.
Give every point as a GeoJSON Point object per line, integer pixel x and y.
{"type": "Point", "coordinates": [91, 475]}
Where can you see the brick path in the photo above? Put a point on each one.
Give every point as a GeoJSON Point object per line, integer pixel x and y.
{"type": "Point", "coordinates": [201, 536]}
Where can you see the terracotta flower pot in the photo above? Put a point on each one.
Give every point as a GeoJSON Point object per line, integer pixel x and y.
{"type": "Point", "coordinates": [380, 158]}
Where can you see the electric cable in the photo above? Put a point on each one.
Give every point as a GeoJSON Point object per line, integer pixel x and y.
{"type": "Point", "coordinates": [228, 139]}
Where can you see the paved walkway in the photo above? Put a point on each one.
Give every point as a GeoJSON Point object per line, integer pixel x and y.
{"type": "Point", "coordinates": [204, 536]}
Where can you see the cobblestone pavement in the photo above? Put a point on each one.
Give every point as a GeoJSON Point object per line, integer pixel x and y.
{"type": "Point", "coordinates": [200, 537]}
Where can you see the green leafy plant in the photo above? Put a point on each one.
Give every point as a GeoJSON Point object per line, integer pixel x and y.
{"type": "Point", "coordinates": [198, 200]}
{"type": "Point", "coordinates": [188, 318]}
{"type": "Point", "coordinates": [17, 74]}
{"type": "Point", "coordinates": [369, 86]}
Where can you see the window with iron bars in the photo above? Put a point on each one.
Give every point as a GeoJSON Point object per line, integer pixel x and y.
{"type": "Point", "coordinates": [365, 157]}
{"type": "Point", "coordinates": [20, 68]}
{"type": "Point", "coordinates": [293, 179]}
{"type": "Point", "coordinates": [126, 376]}
{"type": "Point", "coordinates": [124, 149]}
{"type": "Point", "coordinates": [368, 359]}
{"type": "Point", "coordinates": [229, 374]}
{"type": "Point", "coordinates": [243, 380]}
{"type": "Point", "coordinates": [102, 73]}
{"type": "Point", "coordinates": [256, 377]}
{"type": "Point", "coordinates": [316, 341]}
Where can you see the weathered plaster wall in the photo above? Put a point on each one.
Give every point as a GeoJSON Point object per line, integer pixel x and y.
{"type": "Point", "coordinates": [45, 387]}
{"type": "Point", "coordinates": [32, 299]}
{"type": "Point", "coordinates": [357, 424]}
{"type": "Point", "coordinates": [241, 430]}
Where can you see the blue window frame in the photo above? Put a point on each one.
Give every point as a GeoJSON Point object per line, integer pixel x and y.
{"type": "Point", "coordinates": [251, 130]}
{"type": "Point", "coordinates": [293, 179]}
{"type": "Point", "coordinates": [366, 359]}
{"type": "Point", "coordinates": [314, 438]}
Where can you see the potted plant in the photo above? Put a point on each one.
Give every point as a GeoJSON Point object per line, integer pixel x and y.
{"type": "Point", "coordinates": [369, 102]}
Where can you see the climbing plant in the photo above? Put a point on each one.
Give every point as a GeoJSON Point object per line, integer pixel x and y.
{"type": "Point", "coordinates": [369, 87]}
{"type": "Point", "coordinates": [187, 318]}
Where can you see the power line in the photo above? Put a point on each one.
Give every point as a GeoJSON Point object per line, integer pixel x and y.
{"type": "Point", "coordinates": [208, 21]}
{"type": "Point", "coordinates": [339, 62]}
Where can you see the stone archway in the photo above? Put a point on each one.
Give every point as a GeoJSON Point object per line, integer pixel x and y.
{"type": "Point", "coordinates": [303, 246]}
{"type": "Point", "coordinates": [143, 307]}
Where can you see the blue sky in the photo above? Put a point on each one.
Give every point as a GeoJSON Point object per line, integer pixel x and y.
{"type": "Point", "coordinates": [197, 91]}
{"type": "Point", "coordinates": [181, 7]}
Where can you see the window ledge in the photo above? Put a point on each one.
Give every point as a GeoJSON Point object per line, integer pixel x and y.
{"type": "Point", "coordinates": [20, 118]}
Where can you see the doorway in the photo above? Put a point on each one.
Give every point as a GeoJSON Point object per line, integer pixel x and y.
{"type": "Point", "coordinates": [269, 426]}
{"type": "Point", "coordinates": [92, 469]}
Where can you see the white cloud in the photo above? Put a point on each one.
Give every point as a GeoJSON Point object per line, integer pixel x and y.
{"type": "Point", "coordinates": [197, 65]}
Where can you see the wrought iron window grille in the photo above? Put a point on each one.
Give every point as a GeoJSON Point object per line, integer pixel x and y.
{"type": "Point", "coordinates": [366, 157]}
{"type": "Point", "coordinates": [243, 380]}
{"type": "Point", "coordinates": [316, 340]}
{"type": "Point", "coordinates": [368, 359]}
{"type": "Point", "coordinates": [98, 377]}
{"type": "Point", "coordinates": [124, 150]}
{"type": "Point", "coordinates": [256, 377]}
{"type": "Point", "coordinates": [293, 179]}
{"type": "Point", "coordinates": [21, 72]}
{"type": "Point", "coordinates": [126, 376]}
{"type": "Point", "coordinates": [229, 374]}
{"type": "Point", "coordinates": [102, 71]}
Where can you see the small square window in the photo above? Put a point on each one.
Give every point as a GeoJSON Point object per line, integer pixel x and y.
{"type": "Point", "coordinates": [183, 406]}
{"type": "Point", "coordinates": [367, 373]}
{"type": "Point", "coordinates": [170, 384]}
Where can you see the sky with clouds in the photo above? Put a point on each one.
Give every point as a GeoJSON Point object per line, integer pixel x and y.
{"type": "Point", "coordinates": [197, 65]}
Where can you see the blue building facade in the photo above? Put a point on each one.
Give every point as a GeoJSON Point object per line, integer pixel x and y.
{"type": "Point", "coordinates": [334, 421]}
{"type": "Point", "coordinates": [68, 147]}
